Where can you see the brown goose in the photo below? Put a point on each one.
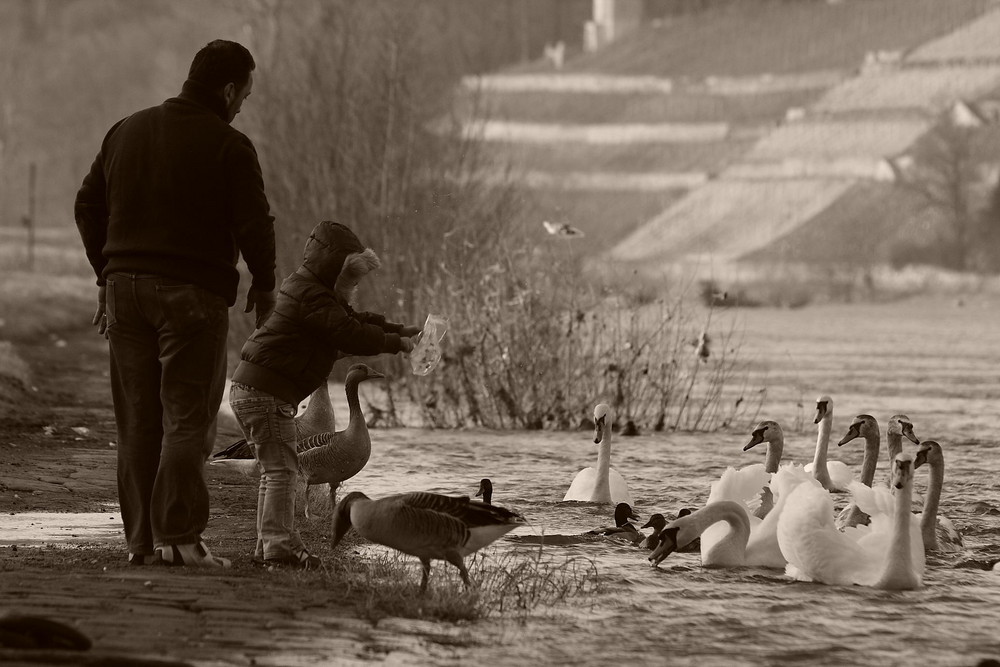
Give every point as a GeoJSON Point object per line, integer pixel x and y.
{"type": "Point", "coordinates": [332, 457]}
{"type": "Point", "coordinates": [317, 418]}
{"type": "Point", "coordinates": [429, 526]}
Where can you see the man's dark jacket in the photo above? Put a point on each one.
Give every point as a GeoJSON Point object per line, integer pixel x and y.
{"type": "Point", "coordinates": [293, 352]}
{"type": "Point", "coordinates": [177, 192]}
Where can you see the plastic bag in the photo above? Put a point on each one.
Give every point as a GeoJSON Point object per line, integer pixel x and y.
{"type": "Point", "coordinates": [426, 354]}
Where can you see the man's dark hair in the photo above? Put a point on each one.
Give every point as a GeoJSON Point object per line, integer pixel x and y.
{"type": "Point", "coordinates": [220, 62]}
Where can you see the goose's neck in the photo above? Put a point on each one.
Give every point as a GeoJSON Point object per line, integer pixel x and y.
{"type": "Point", "coordinates": [355, 415]}
{"type": "Point", "coordinates": [928, 518]}
{"type": "Point", "coordinates": [869, 463]}
{"type": "Point", "coordinates": [774, 450]}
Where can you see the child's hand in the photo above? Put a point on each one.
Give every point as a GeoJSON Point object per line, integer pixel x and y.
{"type": "Point", "coordinates": [410, 331]}
{"type": "Point", "coordinates": [406, 344]}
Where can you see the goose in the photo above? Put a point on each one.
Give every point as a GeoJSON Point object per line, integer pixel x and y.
{"type": "Point", "coordinates": [864, 426]}
{"type": "Point", "coordinates": [332, 457]}
{"type": "Point", "coordinates": [429, 526]}
{"type": "Point", "coordinates": [938, 532]}
{"type": "Point", "coordinates": [485, 490]}
{"type": "Point", "coordinates": [602, 484]}
{"type": "Point", "coordinates": [317, 418]}
{"type": "Point", "coordinates": [888, 554]}
{"type": "Point", "coordinates": [623, 528]}
{"type": "Point", "coordinates": [835, 476]}
{"type": "Point", "coordinates": [730, 535]}
{"type": "Point", "coordinates": [768, 431]}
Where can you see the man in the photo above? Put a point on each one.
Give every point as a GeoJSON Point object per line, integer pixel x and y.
{"type": "Point", "coordinates": [173, 198]}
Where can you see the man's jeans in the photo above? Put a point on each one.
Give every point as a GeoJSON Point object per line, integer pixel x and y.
{"type": "Point", "coordinates": [168, 372]}
{"type": "Point", "coordinates": [268, 424]}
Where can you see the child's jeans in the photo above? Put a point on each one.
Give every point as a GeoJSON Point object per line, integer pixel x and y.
{"type": "Point", "coordinates": [268, 424]}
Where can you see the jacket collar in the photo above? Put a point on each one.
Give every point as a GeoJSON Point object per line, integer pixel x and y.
{"type": "Point", "coordinates": [199, 93]}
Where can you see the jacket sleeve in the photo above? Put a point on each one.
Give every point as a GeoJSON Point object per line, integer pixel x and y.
{"type": "Point", "coordinates": [91, 213]}
{"type": "Point", "coordinates": [379, 321]}
{"type": "Point", "coordinates": [251, 221]}
{"type": "Point", "coordinates": [349, 333]}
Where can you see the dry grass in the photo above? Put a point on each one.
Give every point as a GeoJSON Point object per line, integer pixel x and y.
{"type": "Point", "coordinates": [508, 584]}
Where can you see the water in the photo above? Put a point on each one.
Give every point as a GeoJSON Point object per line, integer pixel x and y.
{"type": "Point", "coordinates": [936, 360]}
{"type": "Point", "coordinates": [681, 613]}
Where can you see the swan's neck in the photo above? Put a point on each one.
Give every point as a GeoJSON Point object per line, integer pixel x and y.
{"type": "Point", "coordinates": [602, 484]}
{"type": "Point", "coordinates": [898, 571]}
{"type": "Point", "coordinates": [731, 549]}
{"type": "Point", "coordinates": [928, 518]}
{"type": "Point", "coordinates": [773, 458]}
{"type": "Point", "coordinates": [869, 463]}
{"type": "Point", "coordinates": [894, 443]}
{"type": "Point", "coordinates": [820, 471]}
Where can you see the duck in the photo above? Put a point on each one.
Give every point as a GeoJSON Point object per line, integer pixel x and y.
{"type": "Point", "coordinates": [730, 535]}
{"type": "Point", "coordinates": [485, 490]}
{"type": "Point", "coordinates": [658, 522]}
{"type": "Point", "coordinates": [430, 526]}
{"type": "Point", "coordinates": [835, 476]}
{"type": "Point", "coordinates": [888, 554]}
{"type": "Point", "coordinates": [623, 528]}
{"type": "Point", "coordinates": [317, 417]}
{"type": "Point", "coordinates": [938, 532]}
{"type": "Point", "coordinates": [333, 457]}
{"type": "Point", "coordinates": [602, 484]}
{"type": "Point", "coordinates": [770, 432]}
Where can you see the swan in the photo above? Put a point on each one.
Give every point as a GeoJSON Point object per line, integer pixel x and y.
{"type": "Point", "coordinates": [864, 426]}
{"type": "Point", "coordinates": [899, 426]}
{"type": "Point", "coordinates": [938, 532]}
{"type": "Point", "coordinates": [835, 476]}
{"type": "Point", "coordinates": [887, 554]}
{"type": "Point", "coordinates": [730, 535]}
{"type": "Point", "coordinates": [623, 528]}
{"type": "Point", "coordinates": [332, 457]}
{"type": "Point", "coordinates": [317, 418]}
{"type": "Point", "coordinates": [485, 490]}
{"type": "Point", "coordinates": [768, 431]}
{"type": "Point", "coordinates": [602, 484]}
{"type": "Point", "coordinates": [429, 526]}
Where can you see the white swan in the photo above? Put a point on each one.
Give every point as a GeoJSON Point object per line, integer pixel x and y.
{"type": "Point", "coordinates": [888, 554]}
{"type": "Point", "coordinates": [864, 426]}
{"type": "Point", "coordinates": [768, 431]}
{"type": "Point", "coordinates": [602, 484]}
{"type": "Point", "coordinates": [939, 533]}
{"type": "Point", "coordinates": [833, 475]}
{"type": "Point", "coordinates": [899, 426]}
{"type": "Point", "coordinates": [730, 535]}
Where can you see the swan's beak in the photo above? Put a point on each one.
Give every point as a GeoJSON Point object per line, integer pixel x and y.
{"type": "Point", "coordinates": [667, 545]}
{"type": "Point", "coordinates": [901, 473]}
{"type": "Point", "coordinates": [756, 438]}
{"type": "Point", "coordinates": [820, 412]}
{"type": "Point", "coordinates": [853, 432]}
{"type": "Point", "coordinates": [908, 432]}
{"type": "Point", "coordinates": [598, 430]}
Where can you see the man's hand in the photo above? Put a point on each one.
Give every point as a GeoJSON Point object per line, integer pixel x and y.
{"type": "Point", "coordinates": [100, 317]}
{"type": "Point", "coordinates": [262, 301]}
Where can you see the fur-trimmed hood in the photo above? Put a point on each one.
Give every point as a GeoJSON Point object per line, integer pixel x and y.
{"type": "Point", "coordinates": [333, 251]}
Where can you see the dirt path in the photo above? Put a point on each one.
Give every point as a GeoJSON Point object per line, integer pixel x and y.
{"type": "Point", "coordinates": [57, 454]}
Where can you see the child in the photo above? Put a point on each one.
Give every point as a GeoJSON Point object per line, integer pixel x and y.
{"type": "Point", "coordinates": [288, 357]}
